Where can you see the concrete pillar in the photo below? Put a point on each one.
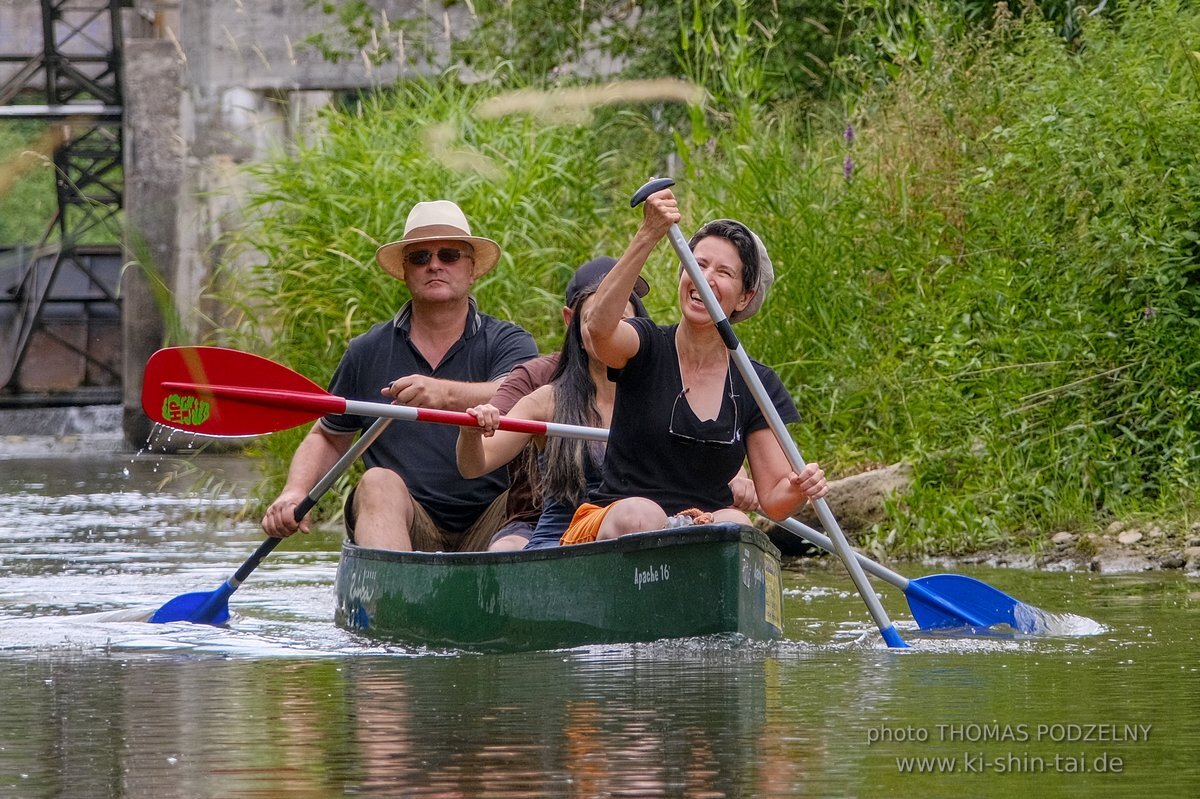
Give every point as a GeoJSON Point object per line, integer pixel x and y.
{"type": "Point", "coordinates": [154, 169]}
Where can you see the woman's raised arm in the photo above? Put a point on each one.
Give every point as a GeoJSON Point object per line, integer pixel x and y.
{"type": "Point", "coordinates": [613, 342]}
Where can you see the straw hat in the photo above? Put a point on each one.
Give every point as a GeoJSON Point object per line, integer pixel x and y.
{"type": "Point", "coordinates": [438, 220]}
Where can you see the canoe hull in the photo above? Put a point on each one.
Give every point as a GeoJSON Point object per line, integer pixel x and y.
{"type": "Point", "coordinates": [706, 580]}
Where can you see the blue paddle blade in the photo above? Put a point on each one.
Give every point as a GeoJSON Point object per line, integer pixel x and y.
{"type": "Point", "coordinates": [942, 601]}
{"type": "Point", "coordinates": [202, 607]}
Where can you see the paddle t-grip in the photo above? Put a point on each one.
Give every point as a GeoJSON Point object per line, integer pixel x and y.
{"type": "Point", "coordinates": [652, 186]}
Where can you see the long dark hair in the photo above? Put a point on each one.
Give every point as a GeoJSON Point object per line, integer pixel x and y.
{"type": "Point", "coordinates": [564, 475]}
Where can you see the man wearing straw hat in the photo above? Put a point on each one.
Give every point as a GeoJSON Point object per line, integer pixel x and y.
{"type": "Point", "coordinates": [439, 352]}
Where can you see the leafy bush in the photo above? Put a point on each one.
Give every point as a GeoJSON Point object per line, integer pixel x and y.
{"type": "Point", "coordinates": [1006, 290]}
{"type": "Point", "coordinates": [988, 267]}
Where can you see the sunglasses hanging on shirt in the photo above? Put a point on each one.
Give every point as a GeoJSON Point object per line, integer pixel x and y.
{"type": "Point", "coordinates": [683, 425]}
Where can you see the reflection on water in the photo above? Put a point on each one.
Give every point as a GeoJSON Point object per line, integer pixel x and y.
{"type": "Point", "coordinates": [283, 703]}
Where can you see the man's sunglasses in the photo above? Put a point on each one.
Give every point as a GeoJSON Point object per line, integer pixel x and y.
{"type": "Point", "coordinates": [447, 255]}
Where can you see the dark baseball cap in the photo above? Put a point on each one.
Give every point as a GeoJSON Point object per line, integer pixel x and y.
{"type": "Point", "coordinates": [591, 273]}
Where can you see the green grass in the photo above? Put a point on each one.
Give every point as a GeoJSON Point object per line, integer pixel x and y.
{"type": "Point", "coordinates": [1004, 291]}
{"type": "Point", "coordinates": [1019, 238]}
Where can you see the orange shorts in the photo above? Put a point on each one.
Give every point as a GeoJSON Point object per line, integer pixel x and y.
{"type": "Point", "coordinates": [585, 524]}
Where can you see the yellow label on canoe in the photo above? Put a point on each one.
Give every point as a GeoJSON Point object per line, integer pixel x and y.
{"type": "Point", "coordinates": [773, 588]}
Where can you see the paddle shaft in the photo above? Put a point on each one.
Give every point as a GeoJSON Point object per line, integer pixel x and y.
{"type": "Point", "coordinates": [742, 361]}
{"type": "Point", "coordinates": [799, 528]}
{"type": "Point", "coordinates": [324, 403]}
{"type": "Point", "coordinates": [312, 498]}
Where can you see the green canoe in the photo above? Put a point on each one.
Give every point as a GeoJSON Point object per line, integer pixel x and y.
{"type": "Point", "coordinates": [704, 580]}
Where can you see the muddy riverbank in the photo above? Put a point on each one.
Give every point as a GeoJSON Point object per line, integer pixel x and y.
{"type": "Point", "coordinates": [1117, 547]}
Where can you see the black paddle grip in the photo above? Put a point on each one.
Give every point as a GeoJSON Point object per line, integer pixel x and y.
{"type": "Point", "coordinates": [655, 184]}
{"type": "Point", "coordinates": [252, 562]}
{"type": "Point", "coordinates": [306, 504]}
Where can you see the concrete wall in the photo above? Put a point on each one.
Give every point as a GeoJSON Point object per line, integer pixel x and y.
{"type": "Point", "coordinates": [155, 159]}
{"type": "Point", "coordinates": [210, 86]}
{"type": "Point", "coordinates": [222, 84]}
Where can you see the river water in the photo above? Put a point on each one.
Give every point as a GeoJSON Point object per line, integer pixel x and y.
{"type": "Point", "coordinates": [281, 703]}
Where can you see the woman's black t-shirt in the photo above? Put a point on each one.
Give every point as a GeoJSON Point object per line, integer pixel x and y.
{"type": "Point", "coordinates": [658, 449]}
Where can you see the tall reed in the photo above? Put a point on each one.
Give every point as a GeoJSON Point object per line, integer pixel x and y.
{"type": "Point", "coordinates": [986, 266]}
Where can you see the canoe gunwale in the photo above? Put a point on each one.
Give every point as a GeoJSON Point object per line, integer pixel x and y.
{"type": "Point", "coordinates": [655, 539]}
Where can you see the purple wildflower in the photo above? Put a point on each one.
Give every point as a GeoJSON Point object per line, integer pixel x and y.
{"type": "Point", "coordinates": [848, 168]}
{"type": "Point", "coordinates": [1149, 313]}
{"type": "Point", "coordinates": [848, 134]}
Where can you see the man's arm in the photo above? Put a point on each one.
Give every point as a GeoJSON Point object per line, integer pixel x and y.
{"type": "Point", "coordinates": [420, 391]}
{"type": "Point", "coordinates": [315, 456]}
{"type": "Point", "coordinates": [512, 345]}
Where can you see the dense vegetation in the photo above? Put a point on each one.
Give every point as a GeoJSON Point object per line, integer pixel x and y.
{"type": "Point", "coordinates": [985, 235]}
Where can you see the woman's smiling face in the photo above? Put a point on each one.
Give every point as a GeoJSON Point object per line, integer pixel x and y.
{"type": "Point", "coordinates": [722, 268]}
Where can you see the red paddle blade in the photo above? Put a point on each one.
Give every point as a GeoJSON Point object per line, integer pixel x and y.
{"type": "Point", "coordinates": [211, 391]}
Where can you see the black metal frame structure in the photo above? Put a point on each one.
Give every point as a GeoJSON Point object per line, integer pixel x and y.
{"type": "Point", "coordinates": [74, 83]}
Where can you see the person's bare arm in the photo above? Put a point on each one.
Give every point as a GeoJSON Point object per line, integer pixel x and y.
{"type": "Point", "coordinates": [315, 456]}
{"type": "Point", "coordinates": [781, 492]}
{"type": "Point", "coordinates": [742, 488]}
{"type": "Point", "coordinates": [485, 448]}
{"type": "Point", "coordinates": [420, 391]}
{"type": "Point", "coordinates": [614, 342]}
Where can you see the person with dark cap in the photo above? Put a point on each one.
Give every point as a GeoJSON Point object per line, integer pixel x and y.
{"type": "Point", "coordinates": [678, 396]}
{"type": "Point", "coordinates": [440, 352]}
{"type": "Point", "coordinates": [546, 484]}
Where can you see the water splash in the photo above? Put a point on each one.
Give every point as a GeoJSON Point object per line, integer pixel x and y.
{"type": "Point", "coordinates": [809, 593]}
{"type": "Point", "coordinates": [1035, 621]}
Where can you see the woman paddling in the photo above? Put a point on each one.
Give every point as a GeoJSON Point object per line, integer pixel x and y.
{"type": "Point", "coordinates": [579, 392]}
{"type": "Point", "coordinates": [683, 420]}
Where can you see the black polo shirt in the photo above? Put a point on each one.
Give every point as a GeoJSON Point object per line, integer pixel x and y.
{"type": "Point", "coordinates": [421, 452]}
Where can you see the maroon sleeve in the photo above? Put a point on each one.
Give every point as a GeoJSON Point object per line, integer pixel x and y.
{"type": "Point", "coordinates": [525, 378]}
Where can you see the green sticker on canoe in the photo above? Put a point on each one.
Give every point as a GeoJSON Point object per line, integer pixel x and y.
{"type": "Point", "coordinates": [185, 411]}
